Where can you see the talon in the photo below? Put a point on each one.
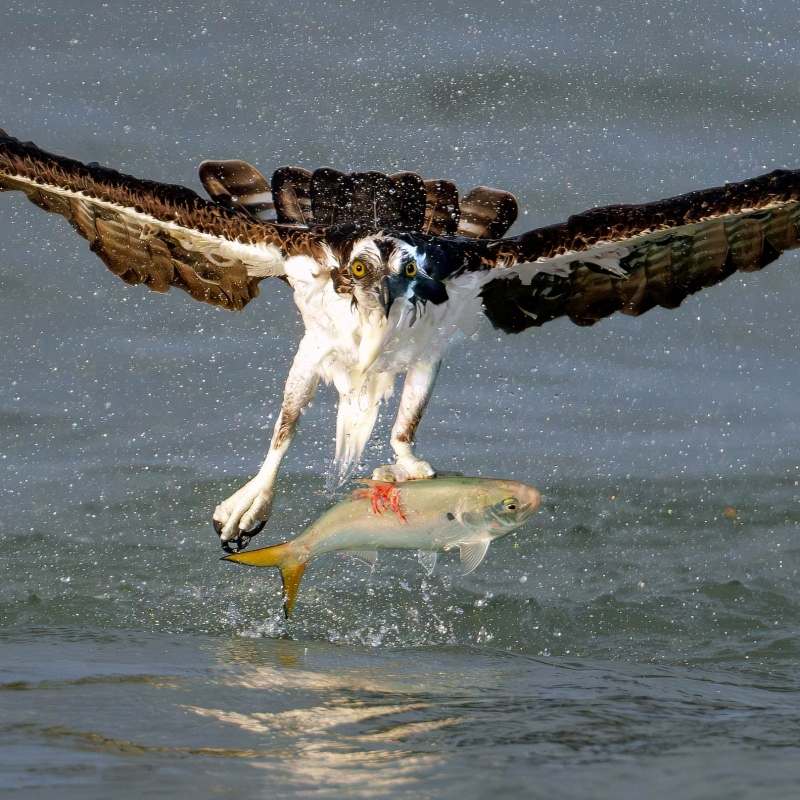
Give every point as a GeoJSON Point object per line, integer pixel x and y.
{"type": "Point", "coordinates": [235, 545]}
{"type": "Point", "coordinates": [240, 542]}
{"type": "Point", "coordinates": [255, 530]}
{"type": "Point", "coordinates": [406, 469]}
{"type": "Point", "coordinates": [386, 474]}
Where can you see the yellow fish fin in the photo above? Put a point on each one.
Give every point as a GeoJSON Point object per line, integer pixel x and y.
{"type": "Point", "coordinates": [292, 575]}
{"type": "Point", "coordinates": [283, 557]}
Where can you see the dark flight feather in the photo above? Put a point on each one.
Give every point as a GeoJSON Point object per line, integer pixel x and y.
{"type": "Point", "coordinates": [236, 184]}
{"type": "Point", "coordinates": [291, 187]}
{"type": "Point", "coordinates": [409, 196]}
{"type": "Point", "coordinates": [364, 197]}
{"type": "Point", "coordinates": [370, 199]}
{"type": "Point", "coordinates": [442, 209]}
{"type": "Point", "coordinates": [486, 213]}
{"type": "Point", "coordinates": [324, 192]}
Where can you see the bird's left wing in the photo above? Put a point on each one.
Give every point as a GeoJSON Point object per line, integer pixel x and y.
{"type": "Point", "coordinates": [632, 258]}
{"type": "Point", "coordinates": [157, 234]}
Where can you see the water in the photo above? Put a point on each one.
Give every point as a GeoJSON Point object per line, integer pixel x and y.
{"type": "Point", "coordinates": [640, 636]}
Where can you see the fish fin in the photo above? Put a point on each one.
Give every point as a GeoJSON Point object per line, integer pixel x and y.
{"type": "Point", "coordinates": [428, 559]}
{"type": "Point", "coordinates": [283, 557]}
{"type": "Point", "coordinates": [472, 553]}
{"type": "Point", "coordinates": [367, 556]}
{"type": "Point", "coordinates": [264, 557]}
{"type": "Point", "coordinates": [291, 574]}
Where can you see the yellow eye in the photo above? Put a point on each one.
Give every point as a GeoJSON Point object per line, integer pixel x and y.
{"type": "Point", "coordinates": [510, 503]}
{"type": "Point", "coordinates": [411, 269]}
{"type": "Point", "coordinates": [358, 268]}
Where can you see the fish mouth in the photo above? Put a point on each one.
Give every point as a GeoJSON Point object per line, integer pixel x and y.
{"type": "Point", "coordinates": [530, 499]}
{"type": "Point", "coordinates": [531, 496]}
{"type": "Point", "coordinates": [509, 523]}
{"type": "Point", "coordinates": [525, 510]}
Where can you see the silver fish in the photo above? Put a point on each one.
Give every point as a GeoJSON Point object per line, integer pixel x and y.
{"type": "Point", "coordinates": [427, 516]}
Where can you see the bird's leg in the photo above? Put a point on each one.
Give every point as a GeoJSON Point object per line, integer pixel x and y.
{"type": "Point", "coordinates": [417, 391]}
{"type": "Point", "coordinates": [245, 509]}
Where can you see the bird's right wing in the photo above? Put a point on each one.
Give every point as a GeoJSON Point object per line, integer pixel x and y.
{"type": "Point", "coordinates": [157, 234]}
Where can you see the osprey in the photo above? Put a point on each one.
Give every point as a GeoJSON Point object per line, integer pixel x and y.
{"type": "Point", "coordinates": [386, 268]}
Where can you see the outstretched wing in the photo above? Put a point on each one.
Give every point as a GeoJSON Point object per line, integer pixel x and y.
{"type": "Point", "coordinates": [632, 258]}
{"type": "Point", "coordinates": [152, 233]}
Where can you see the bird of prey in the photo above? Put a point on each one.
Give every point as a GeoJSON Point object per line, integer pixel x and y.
{"type": "Point", "coordinates": [386, 268]}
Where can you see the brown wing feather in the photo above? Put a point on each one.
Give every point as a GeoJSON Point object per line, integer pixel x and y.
{"type": "Point", "coordinates": [292, 188]}
{"type": "Point", "coordinates": [152, 233]}
{"type": "Point", "coordinates": [409, 198]}
{"type": "Point", "coordinates": [634, 275]}
{"type": "Point", "coordinates": [237, 184]}
{"type": "Point", "coordinates": [324, 192]}
{"type": "Point", "coordinates": [621, 222]}
{"type": "Point", "coordinates": [486, 213]}
{"type": "Point", "coordinates": [441, 208]}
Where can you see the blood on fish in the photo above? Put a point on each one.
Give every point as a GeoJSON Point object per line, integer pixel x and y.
{"type": "Point", "coordinates": [383, 497]}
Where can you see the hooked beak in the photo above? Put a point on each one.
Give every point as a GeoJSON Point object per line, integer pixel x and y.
{"type": "Point", "coordinates": [391, 287]}
{"type": "Point", "coordinates": [423, 289]}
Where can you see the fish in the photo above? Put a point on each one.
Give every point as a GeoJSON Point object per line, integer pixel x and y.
{"type": "Point", "coordinates": [424, 515]}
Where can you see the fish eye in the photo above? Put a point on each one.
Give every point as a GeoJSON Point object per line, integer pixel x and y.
{"type": "Point", "coordinates": [411, 268]}
{"type": "Point", "coordinates": [510, 503]}
{"type": "Point", "coordinates": [358, 268]}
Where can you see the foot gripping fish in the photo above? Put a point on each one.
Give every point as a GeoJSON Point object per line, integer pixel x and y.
{"type": "Point", "coordinates": [427, 516]}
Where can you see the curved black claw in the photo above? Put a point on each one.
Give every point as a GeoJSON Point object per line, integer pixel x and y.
{"type": "Point", "coordinates": [237, 544]}
{"type": "Point", "coordinates": [240, 542]}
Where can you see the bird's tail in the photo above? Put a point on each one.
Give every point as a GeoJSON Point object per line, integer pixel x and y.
{"type": "Point", "coordinates": [282, 556]}
{"type": "Point", "coordinates": [355, 419]}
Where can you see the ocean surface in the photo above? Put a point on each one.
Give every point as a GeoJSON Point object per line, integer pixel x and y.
{"type": "Point", "coordinates": [639, 637]}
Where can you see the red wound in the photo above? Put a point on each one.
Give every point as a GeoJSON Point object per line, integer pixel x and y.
{"type": "Point", "coordinates": [386, 497]}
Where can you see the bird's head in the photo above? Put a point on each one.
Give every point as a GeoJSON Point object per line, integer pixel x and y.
{"type": "Point", "coordinates": [377, 269]}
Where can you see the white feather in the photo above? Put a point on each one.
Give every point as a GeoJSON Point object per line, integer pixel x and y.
{"type": "Point", "coordinates": [605, 256]}
{"type": "Point", "coordinates": [361, 351]}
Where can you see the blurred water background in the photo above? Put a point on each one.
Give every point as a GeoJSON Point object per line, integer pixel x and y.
{"type": "Point", "coordinates": [639, 637]}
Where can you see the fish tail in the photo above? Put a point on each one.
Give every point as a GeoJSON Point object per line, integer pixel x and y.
{"type": "Point", "coordinates": [282, 556]}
